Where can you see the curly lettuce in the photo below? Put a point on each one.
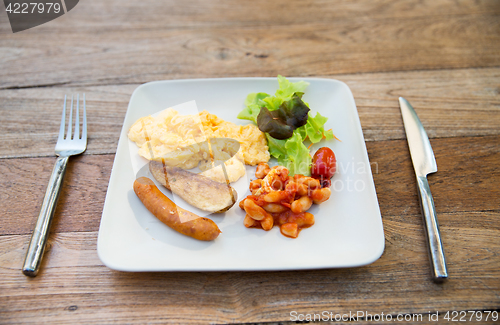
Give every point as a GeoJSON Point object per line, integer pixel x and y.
{"type": "Point", "coordinates": [291, 152]}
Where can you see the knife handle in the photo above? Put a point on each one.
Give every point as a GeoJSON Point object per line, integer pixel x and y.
{"type": "Point", "coordinates": [438, 261]}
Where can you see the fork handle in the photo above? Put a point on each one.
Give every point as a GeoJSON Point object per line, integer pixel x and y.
{"type": "Point", "coordinates": [41, 233]}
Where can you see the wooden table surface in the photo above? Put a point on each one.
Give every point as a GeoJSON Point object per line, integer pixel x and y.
{"type": "Point", "coordinates": [443, 56]}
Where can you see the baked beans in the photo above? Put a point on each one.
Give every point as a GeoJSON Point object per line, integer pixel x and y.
{"type": "Point", "coordinates": [281, 200]}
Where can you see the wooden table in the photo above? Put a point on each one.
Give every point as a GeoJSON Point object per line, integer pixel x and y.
{"type": "Point", "coordinates": [443, 56]}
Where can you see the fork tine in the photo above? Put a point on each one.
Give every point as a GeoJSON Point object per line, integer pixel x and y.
{"type": "Point", "coordinates": [84, 126]}
{"type": "Point", "coordinates": [77, 119]}
{"type": "Point", "coordinates": [70, 126]}
{"type": "Point", "coordinates": [63, 121]}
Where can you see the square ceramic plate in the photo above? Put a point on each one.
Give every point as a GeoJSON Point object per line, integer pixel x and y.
{"type": "Point", "coordinates": [348, 230]}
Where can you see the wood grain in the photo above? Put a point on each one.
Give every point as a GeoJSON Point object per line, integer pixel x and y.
{"type": "Point", "coordinates": [442, 55]}
{"type": "Point", "coordinates": [459, 186]}
{"type": "Point", "coordinates": [77, 288]}
{"type": "Point", "coordinates": [152, 40]}
{"type": "Point", "coordinates": [81, 200]}
{"type": "Point", "coordinates": [31, 116]}
{"type": "Point", "coordinates": [72, 274]}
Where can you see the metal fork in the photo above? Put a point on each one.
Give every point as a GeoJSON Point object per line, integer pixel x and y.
{"type": "Point", "coordinates": [67, 145]}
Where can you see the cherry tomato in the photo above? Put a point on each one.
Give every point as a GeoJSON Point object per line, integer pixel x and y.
{"type": "Point", "coordinates": [324, 164]}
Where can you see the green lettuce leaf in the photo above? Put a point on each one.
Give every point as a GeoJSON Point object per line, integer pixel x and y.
{"type": "Point", "coordinates": [291, 152]}
{"type": "Point", "coordinates": [285, 92]}
{"type": "Point", "coordinates": [253, 103]}
{"type": "Point", "coordinates": [314, 129]}
{"type": "Point", "coordinates": [287, 88]}
{"type": "Point", "coordinates": [297, 158]}
{"type": "Point", "coordinates": [276, 147]}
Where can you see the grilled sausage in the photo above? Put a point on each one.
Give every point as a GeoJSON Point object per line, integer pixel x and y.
{"type": "Point", "coordinates": [169, 213]}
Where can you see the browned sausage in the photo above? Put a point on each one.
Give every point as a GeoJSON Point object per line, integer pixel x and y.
{"type": "Point", "coordinates": [172, 215]}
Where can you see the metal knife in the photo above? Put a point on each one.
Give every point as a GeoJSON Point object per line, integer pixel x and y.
{"type": "Point", "coordinates": [424, 163]}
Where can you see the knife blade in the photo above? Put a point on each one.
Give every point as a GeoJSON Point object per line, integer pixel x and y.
{"type": "Point", "coordinates": [424, 163]}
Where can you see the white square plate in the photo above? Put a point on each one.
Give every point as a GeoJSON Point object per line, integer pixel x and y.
{"type": "Point", "coordinates": [348, 230]}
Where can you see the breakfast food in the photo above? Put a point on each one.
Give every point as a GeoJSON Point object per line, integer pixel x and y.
{"type": "Point", "coordinates": [196, 189]}
{"type": "Point", "coordinates": [189, 141]}
{"type": "Point", "coordinates": [281, 195]}
{"type": "Point", "coordinates": [287, 123]}
{"type": "Point", "coordinates": [253, 143]}
{"type": "Point", "coordinates": [233, 170]}
{"type": "Point", "coordinates": [324, 165]}
{"type": "Point", "coordinates": [166, 211]}
{"type": "Point", "coordinates": [170, 136]}
{"type": "Point", "coordinates": [282, 200]}
{"type": "Point", "coordinates": [223, 151]}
